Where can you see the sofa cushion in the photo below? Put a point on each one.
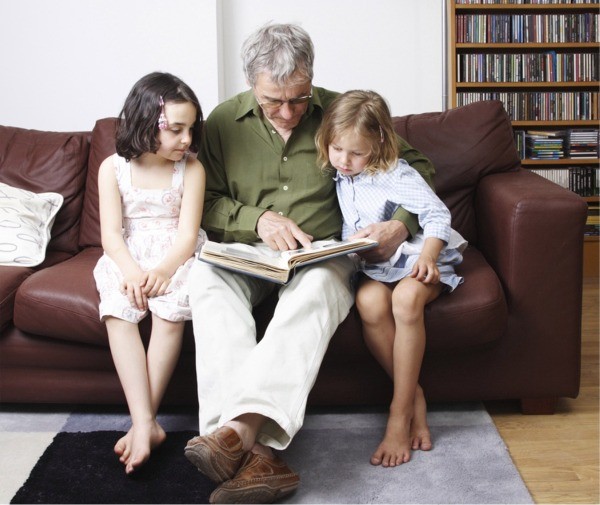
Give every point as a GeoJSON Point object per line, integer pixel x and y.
{"type": "Point", "coordinates": [102, 146]}
{"type": "Point", "coordinates": [464, 144]}
{"type": "Point", "coordinates": [10, 279]}
{"type": "Point", "coordinates": [475, 314]}
{"type": "Point", "coordinates": [61, 302]}
{"type": "Point", "coordinates": [56, 162]}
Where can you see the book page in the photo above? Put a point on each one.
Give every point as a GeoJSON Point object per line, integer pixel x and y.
{"type": "Point", "coordinates": [247, 252]}
{"type": "Point", "coordinates": [322, 248]}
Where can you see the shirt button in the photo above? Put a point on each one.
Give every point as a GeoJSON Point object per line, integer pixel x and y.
{"type": "Point", "coordinates": [285, 188]}
{"type": "Point", "coordinates": [273, 132]}
{"type": "Point", "coordinates": [280, 213]}
{"type": "Point", "coordinates": [285, 158]}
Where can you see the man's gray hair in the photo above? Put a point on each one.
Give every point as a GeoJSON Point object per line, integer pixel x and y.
{"type": "Point", "coordinates": [280, 50]}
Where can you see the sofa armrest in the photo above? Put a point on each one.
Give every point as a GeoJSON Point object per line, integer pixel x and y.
{"type": "Point", "coordinates": [531, 232]}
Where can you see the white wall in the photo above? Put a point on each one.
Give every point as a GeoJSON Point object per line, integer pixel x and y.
{"type": "Point", "coordinates": [394, 47]}
{"type": "Point", "coordinates": [66, 63]}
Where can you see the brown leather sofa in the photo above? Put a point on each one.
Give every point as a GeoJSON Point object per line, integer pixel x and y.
{"type": "Point", "coordinates": [511, 331]}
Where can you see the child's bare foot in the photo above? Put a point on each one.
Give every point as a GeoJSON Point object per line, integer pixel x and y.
{"type": "Point", "coordinates": [138, 443]}
{"type": "Point", "coordinates": [123, 446]}
{"type": "Point", "coordinates": [394, 449]}
{"type": "Point", "coordinates": [419, 429]}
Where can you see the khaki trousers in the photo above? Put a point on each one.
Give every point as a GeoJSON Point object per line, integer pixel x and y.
{"type": "Point", "coordinates": [237, 375]}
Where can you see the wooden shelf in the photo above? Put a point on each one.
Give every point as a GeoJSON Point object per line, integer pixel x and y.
{"type": "Point", "coordinates": [588, 123]}
{"type": "Point", "coordinates": [526, 46]}
{"type": "Point", "coordinates": [553, 8]}
{"type": "Point", "coordinates": [560, 162]}
{"type": "Point", "coordinates": [521, 85]}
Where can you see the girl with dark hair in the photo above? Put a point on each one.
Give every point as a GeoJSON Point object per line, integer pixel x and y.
{"type": "Point", "coordinates": [151, 195]}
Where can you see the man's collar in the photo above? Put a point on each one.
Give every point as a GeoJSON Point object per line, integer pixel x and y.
{"type": "Point", "coordinates": [248, 104]}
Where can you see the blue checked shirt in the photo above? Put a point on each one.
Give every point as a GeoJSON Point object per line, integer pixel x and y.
{"type": "Point", "coordinates": [365, 199]}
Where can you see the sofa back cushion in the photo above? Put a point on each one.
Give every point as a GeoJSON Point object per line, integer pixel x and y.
{"type": "Point", "coordinates": [41, 162]}
{"type": "Point", "coordinates": [102, 146]}
{"type": "Point", "coordinates": [464, 144]}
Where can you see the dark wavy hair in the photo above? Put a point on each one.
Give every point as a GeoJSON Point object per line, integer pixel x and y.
{"type": "Point", "coordinates": [137, 132]}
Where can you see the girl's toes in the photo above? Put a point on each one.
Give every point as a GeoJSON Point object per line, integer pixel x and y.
{"type": "Point", "coordinates": [422, 442]}
{"type": "Point", "coordinates": [377, 457]}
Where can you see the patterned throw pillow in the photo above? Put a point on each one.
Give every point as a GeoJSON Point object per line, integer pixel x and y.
{"type": "Point", "coordinates": [26, 219]}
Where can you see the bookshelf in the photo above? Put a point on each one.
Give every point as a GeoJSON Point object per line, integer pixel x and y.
{"type": "Point", "coordinates": [541, 59]}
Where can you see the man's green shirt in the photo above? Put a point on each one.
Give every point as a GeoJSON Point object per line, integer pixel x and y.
{"type": "Point", "coordinates": [250, 169]}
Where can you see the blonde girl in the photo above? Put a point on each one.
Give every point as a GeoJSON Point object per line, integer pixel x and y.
{"type": "Point", "coordinates": [357, 139]}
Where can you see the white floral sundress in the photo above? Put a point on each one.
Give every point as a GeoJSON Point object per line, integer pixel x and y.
{"type": "Point", "coordinates": [150, 221]}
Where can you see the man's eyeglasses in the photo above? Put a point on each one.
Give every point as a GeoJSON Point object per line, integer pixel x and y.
{"type": "Point", "coordinates": [273, 104]}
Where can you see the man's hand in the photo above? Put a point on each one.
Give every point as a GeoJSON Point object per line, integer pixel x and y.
{"type": "Point", "coordinates": [389, 234]}
{"type": "Point", "coordinates": [281, 233]}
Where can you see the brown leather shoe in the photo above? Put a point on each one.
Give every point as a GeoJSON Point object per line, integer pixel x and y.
{"type": "Point", "coordinates": [259, 480]}
{"type": "Point", "coordinates": [218, 455]}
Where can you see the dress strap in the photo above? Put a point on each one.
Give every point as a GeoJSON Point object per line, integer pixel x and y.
{"type": "Point", "coordinates": [122, 171]}
{"type": "Point", "coordinates": [179, 171]}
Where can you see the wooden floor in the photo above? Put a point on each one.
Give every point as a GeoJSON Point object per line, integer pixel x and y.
{"type": "Point", "coordinates": [557, 455]}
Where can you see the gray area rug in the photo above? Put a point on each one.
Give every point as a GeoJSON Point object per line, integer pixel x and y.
{"type": "Point", "coordinates": [468, 464]}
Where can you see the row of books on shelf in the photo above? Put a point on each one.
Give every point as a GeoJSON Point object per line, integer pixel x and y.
{"type": "Point", "coordinates": [524, 2]}
{"type": "Point", "coordinates": [527, 28]}
{"type": "Point", "coordinates": [592, 224]}
{"type": "Point", "coordinates": [581, 180]}
{"type": "Point", "coordinates": [541, 106]}
{"type": "Point", "coordinates": [530, 67]}
{"type": "Point", "coordinates": [557, 144]}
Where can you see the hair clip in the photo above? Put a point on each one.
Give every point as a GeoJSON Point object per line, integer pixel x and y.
{"type": "Point", "coordinates": [163, 124]}
{"type": "Point", "coordinates": [380, 134]}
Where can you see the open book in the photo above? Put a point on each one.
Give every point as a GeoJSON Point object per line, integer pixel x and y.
{"type": "Point", "coordinates": [276, 266]}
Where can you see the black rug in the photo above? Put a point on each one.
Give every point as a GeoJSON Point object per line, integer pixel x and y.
{"type": "Point", "coordinates": [77, 466]}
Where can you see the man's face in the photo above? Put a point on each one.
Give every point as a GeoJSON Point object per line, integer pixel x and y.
{"type": "Point", "coordinates": [283, 106]}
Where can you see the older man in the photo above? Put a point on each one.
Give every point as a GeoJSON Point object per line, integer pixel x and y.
{"type": "Point", "coordinates": [263, 185]}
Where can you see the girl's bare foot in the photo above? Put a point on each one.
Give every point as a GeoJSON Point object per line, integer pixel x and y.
{"type": "Point", "coordinates": [123, 445]}
{"type": "Point", "coordinates": [138, 443]}
{"type": "Point", "coordinates": [394, 449]}
{"type": "Point", "coordinates": [419, 429]}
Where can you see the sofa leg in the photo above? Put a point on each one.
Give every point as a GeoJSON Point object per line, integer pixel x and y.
{"type": "Point", "coordinates": [538, 406]}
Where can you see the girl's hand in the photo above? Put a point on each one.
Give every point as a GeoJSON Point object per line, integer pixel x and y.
{"type": "Point", "coordinates": [155, 283]}
{"type": "Point", "coordinates": [132, 288]}
{"type": "Point", "coordinates": [426, 270]}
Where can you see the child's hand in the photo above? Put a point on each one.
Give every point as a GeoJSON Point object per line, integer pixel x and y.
{"type": "Point", "coordinates": [426, 270]}
{"type": "Point", "coordinates": [155, 283]}
{"type": "Point", "coordinates": [132, 288]}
